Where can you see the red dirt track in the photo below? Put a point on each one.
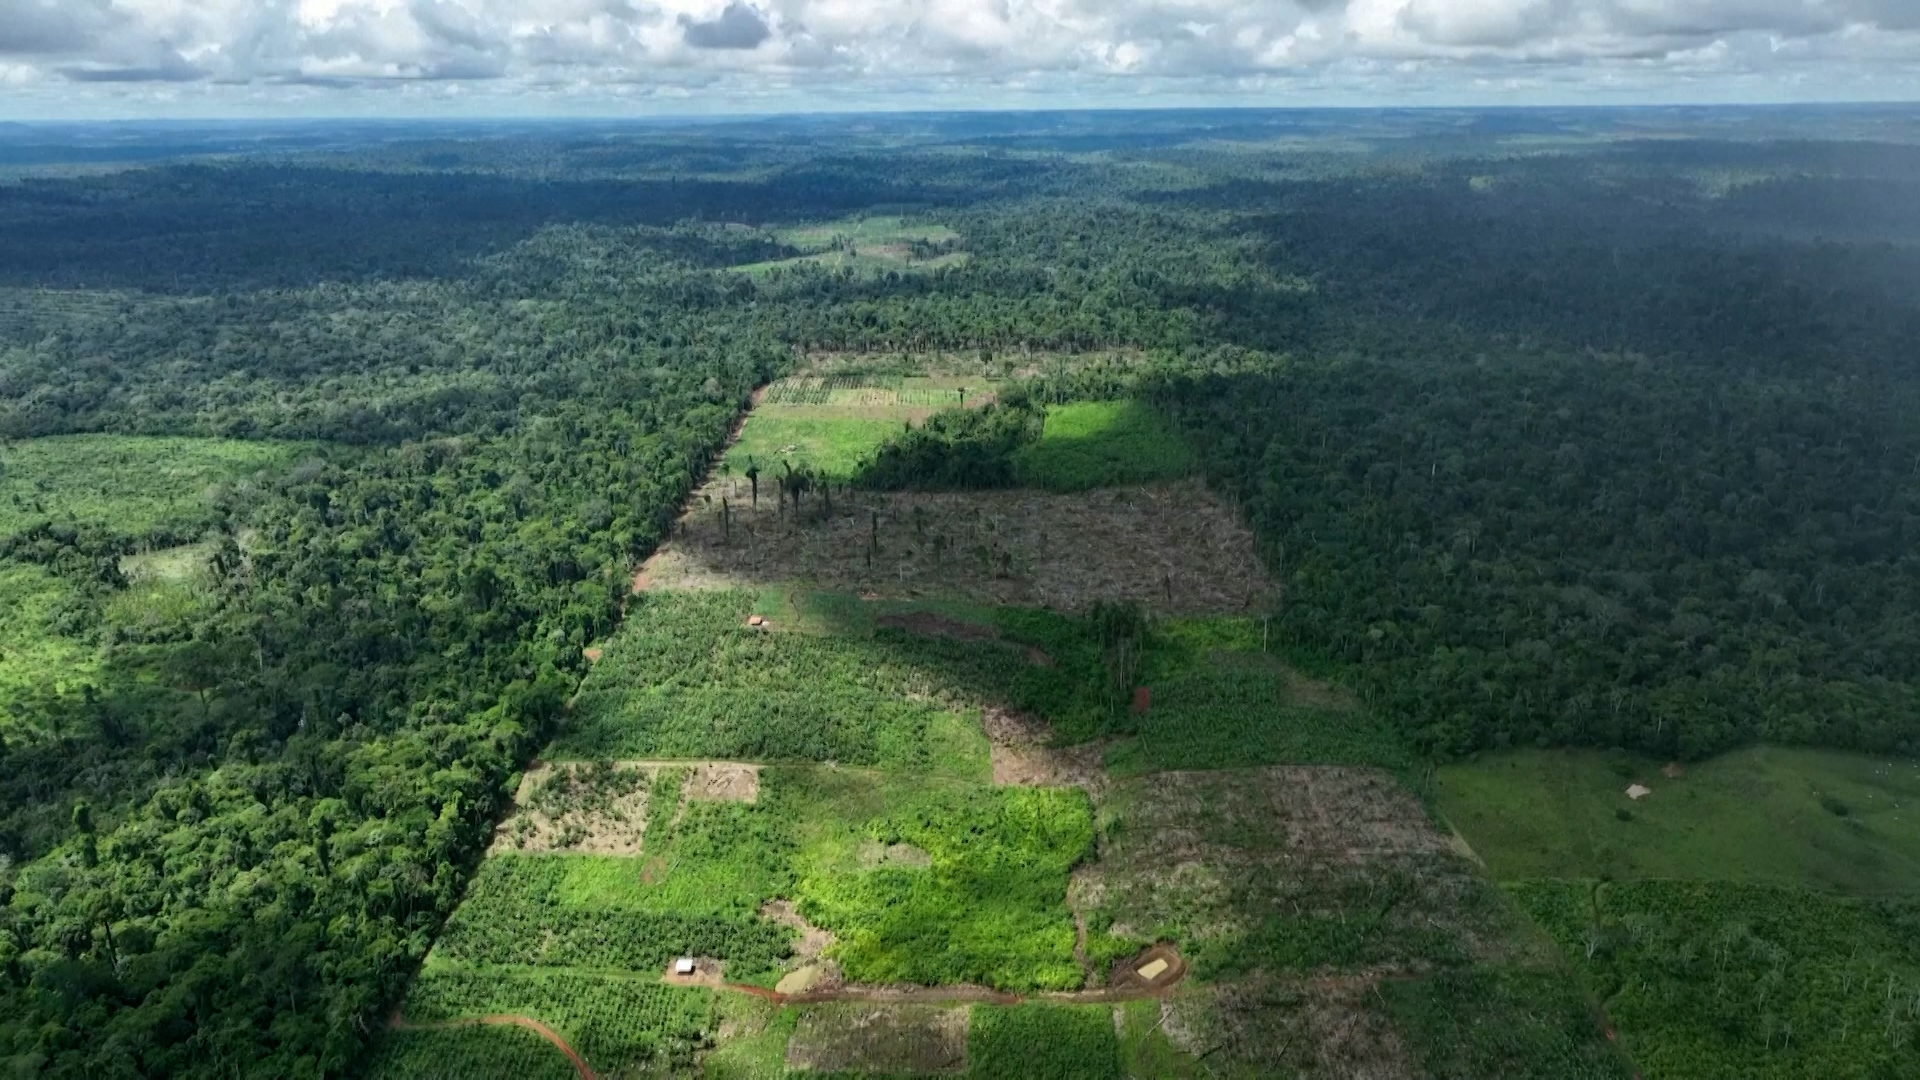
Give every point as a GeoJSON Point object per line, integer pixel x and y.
{"type": "Point", "coordinates": [508, 1019]}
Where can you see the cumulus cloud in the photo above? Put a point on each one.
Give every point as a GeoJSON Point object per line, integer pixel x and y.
{"type": "Point", "coordinates": [835, 53]}
{"type": "Point", "coordinates": [738, 26]}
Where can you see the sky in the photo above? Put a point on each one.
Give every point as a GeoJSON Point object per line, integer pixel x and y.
{"type": "Point", "coordinates": [99, 59]}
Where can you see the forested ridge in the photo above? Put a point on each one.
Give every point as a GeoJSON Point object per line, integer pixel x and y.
{"type": "Point", "coordinates": [1608, 447]}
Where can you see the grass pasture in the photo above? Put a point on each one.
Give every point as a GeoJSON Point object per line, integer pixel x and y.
{"type": "Point", "coordinates": [1820, 819]}
{"type": "Point", "coordinates": [829, 422]}
{"type": "Point", "coordinates": [1102, 444]}
{"type": "Point", "coordinates": [1755, 915]}
{"type": "Point", "coordinates": [131, 484]}
{"type": "Point", "coordinates": [866, 246]}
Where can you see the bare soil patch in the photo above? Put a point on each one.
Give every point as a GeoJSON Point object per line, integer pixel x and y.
{"type": "Point", "coordinates": [1019, 746]}
{"type": "Point", "coordinates": [1173, 548]}
{"type": "Point", "coordinates": [812, 942]}
{"type": "Point", "coordinates": [723, 781]}
{"type": "Point", "coordinates": [880, 1039]}
{"type": "Point", "coordinates": [573, 806]}
{"type": "Point", "coordinates": [602, 808]}
{"type": "Point", "coordinates": [1156, 968]}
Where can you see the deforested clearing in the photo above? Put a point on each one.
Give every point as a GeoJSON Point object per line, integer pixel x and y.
{"type": "Point", "coordinates": [1172, 548]}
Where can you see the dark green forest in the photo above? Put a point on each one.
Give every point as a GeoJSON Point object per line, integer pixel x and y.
{"type": "Point", "coordinates": [1603, 442]}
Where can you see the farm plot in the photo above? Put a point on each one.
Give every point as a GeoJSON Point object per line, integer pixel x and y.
{"type": "Point", "coordinates": [1172, 548]}
{"type": "Point", "coordinates": [818, 679]}
{"type": "Point", "coordinates": [915, 880]}
{"type": "Point", "coordinates": [1219, 700]}
{"type": "Point", "coordinates": [621, 1025]}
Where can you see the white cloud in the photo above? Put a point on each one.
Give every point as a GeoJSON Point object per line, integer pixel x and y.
{"type": "Point", "coordinates": [845, 53]}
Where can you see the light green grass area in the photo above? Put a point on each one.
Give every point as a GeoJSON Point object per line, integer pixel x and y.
{"type": "Point", "coordinates": [1102, 444]}
{"type": "Point", "coordinates": [867, 246]}
{"type": "Point", "coordinates": [829, 423]}
{"type": "Point", "coordinates": [164, 588]}
{"type": "Point", "coordinates": [35, 655]}
{"type": "Point", "coordinates": [130, 484]}
{"type": "Point", "coordinates": [1716, 979]}
{"type": "Point", "coordinates": [824, 439]}
{"type": "Point", "coordinates": [878, 229]}
{"type": "Point", "coordinates": [1823, 819]}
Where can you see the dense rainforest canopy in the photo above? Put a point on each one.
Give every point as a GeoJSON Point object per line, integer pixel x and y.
{"type": "Point", "coordinates": [1599, 441]}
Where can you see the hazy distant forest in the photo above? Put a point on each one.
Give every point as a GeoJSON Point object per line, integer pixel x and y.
{"type": "Point", "coordinates": [1555, 429]}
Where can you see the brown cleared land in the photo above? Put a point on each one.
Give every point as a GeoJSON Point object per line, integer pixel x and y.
{"type": "Point", "coordinates": [1173, 548]}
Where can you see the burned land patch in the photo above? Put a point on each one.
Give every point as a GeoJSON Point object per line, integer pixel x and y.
{"type": "Point", "coordinates": [884, 1039]}
{"type": "Point", "coordinates": [1315, 1029]}
{"type": "Point", "coordinates": [1290, 871]}
{"type": "Point", "coordinates": [1173, 548]}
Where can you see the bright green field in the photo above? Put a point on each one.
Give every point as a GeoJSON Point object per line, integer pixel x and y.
{"type": "Point", "coordinates": [34, 654]}
{"type": "Point", "coordinates": [1753, 815]}
{"type": "Point", "coordinates": [1102, 444]}
{"type": "Point", "coordinates": [133, 484]}
{"type": "Point", "coordinates": [880, 229]}
{"type": "Point", "coordinates": [879, 244]}
{"type": "Point", "coordinates": [825, 439]}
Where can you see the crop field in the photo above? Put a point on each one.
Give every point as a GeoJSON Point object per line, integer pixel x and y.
{"type": "Point", "coordinates": [134, 485]}
{"type": "Point", "coordinates": [1824, 819]}
{"type": "Point", "coordinates": [467, 1052]}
